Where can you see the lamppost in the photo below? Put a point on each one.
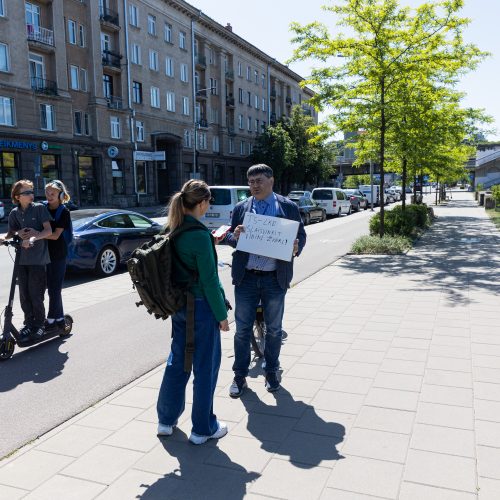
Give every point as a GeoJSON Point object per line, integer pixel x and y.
{"type": "Point", "coordinates": [196, 125]}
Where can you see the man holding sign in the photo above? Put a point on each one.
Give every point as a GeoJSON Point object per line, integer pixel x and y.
{"type": "Point", "coordinates": [268, 233]}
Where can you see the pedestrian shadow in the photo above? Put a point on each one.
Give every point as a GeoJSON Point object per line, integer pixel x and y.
{"type": "Point", "coordinates": [203, 473]}
{"type": "Point", "coordinates": [293, 429]}
{"type": "Point", "coordinates": [38, 364]}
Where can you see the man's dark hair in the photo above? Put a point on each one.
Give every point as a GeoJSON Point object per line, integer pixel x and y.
{"type": "Point", "coordinates": [260, 168]}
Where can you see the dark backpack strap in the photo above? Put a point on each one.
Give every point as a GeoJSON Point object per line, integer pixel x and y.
{"type": "Point", "coordinates": [189, 350]}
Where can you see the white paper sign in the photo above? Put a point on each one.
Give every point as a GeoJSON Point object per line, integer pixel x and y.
{"type": "Point", "coordinates": [268, 236]}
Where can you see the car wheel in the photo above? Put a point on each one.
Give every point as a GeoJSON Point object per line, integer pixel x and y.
{"type": "Point", "coordinates": [339, 213]}
{"type": "Point", "coordinates": [349, 211]}
{"type": "Point", "coordinates": [107, 261]}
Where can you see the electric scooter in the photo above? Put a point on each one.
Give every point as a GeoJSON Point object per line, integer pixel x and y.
{"type": "Point", "coordinates": [10, 335]}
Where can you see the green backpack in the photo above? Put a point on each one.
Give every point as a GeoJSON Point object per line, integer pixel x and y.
{"type": "Point", "coordinates": [151, 270]}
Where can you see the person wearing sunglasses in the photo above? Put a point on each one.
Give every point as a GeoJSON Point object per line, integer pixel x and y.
{"type": "Point", "coordinates": [31, 222]}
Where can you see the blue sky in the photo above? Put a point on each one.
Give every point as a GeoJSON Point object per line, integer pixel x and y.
{"type": "Point", "coordinates": [265, 23]}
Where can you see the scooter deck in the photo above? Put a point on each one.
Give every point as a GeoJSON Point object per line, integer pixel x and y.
{"type": "Point", "coordinates": [49, 334]}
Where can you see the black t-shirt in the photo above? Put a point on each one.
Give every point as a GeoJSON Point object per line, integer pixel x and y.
{"type": "Point", "coordinates": [58, 248]}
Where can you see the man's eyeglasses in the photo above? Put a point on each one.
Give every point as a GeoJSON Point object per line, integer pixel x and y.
{"type": "Point", "coordinates": [26, 193]}
{"type": "Point", "coordinates": [256, 182]}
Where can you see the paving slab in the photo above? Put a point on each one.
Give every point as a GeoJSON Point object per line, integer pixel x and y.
{"type": "Point", "coordinates": [390, 391]}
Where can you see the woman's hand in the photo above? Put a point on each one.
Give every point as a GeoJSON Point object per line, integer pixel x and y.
{"type": "Point", "coordinates": [224, 325]}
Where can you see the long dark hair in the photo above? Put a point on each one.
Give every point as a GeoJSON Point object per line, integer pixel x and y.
{"type": "Point", "coordinates": [192, 193]}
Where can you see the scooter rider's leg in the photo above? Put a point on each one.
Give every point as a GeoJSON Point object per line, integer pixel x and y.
{"type": "Point", "coordinates": [38, 284]}
{"type": "Point", "coordinates": [24, 298]}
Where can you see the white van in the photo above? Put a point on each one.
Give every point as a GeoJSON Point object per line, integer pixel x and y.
{"type": "Point", "coordinates": [333, 200]}
{"type": "Point", "coordinates": [222, 203]}
{"type": "Point", "coordinates": [366, 189]}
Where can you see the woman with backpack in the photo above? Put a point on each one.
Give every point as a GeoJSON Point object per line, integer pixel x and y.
{"type": "Point", "coordinates": [57, 195]}
{"type": "Point", "coordinates": [194, 247]}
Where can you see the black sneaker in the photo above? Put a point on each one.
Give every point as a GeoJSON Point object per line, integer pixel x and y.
{"type": "Point", "coordinates": [237, 387]}
{"type": "Point", "coordinates": [25, 331]}
{"type": "Point", "coordinates": [272, 383]}
{"type": "Point", "coordinates": [38, 333]}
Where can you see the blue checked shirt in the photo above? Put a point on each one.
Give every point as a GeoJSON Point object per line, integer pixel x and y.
{"type": "Point", "coordinates": [268, 206]}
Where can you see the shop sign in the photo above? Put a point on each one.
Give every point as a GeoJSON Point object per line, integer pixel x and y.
{"type": "Point", "coordinates": [9, 144]}
{"type": "Point", "coordinates": [149, 155]}
{"type": "Point", "coordinates": [113, 151]}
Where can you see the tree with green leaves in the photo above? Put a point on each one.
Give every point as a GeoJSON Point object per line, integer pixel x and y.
{"type": "Point", "coordinates": [386, 45]}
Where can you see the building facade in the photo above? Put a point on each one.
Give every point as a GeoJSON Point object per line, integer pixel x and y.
{"type": "Point", "coordinates": [126, 100]}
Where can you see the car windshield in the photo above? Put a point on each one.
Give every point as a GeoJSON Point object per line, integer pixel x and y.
{"type": "Point", "coordinates": [220, 196]}
{"type": "Point", "coordinates": [322, 194]}
{"type": "Point", "coordinates": [80, 222]}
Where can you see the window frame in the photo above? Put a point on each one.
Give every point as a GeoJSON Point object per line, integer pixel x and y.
{"type": "Point", "coordinates": [115, 127]}
{"type": "Point", "coordinates": [49, 118]}
{"type": "Point", "coordinates": [156, 92]}
{"type": "Point", "coordinates": [74, 77]}
{"type": "Point", "coordinates": [153, 60]}
{"type": "Point", "coordinates": [151, 24]}
{"type": "Point", "coordinates": [72, 32]}
{"type": "Point", "coordinates": [133, 11]}
{"type": "Point", "coordinates": [139, 131]}
{"type": "Point", "coordinates": [7, 58]}
{"type": "Point", "coordinates": [171, 101]}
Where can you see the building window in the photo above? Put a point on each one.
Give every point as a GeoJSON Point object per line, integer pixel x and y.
{"type": "Point", "coordinates": [214, 115]}
{"type": "Point", "coordinates": [151, 24]}
{"type": "Point", "coordinates": [185, 106]}
{"type": "Point", "coordinates": [263, 81]}
{"type": "Point", "coordinates": [242, 148]}
{"type": "Point", "coordinates": [153, 60]}
{"type": "Point", "coordinates": [256, 102]}
{"type": "Point", "coordinates": [4, 57]}
{"type": "Point", "coordinates": [86, 124]}
{"type": "Point", "coordinates": [240, 122]}
{"type": "Point", "coordinates": [137, 92]}
{"type": "Point", "coordinates": [187, 138]}
{"type": "Point", "coordinates": [107, 85]}
{"type": "Point", "coordinates": [141, 177]}
{"type": "Point", "coordinates": [116, 132]}
{"type": "Point", "coordinates": [249, 148]}
{"type": "Point", "coordinates": [240, 69]}
{"type": "Point", "coordinates": [133, 15]}
{"type": "Point", "coordinates": [83, 80]}
{"type": "Point", "coordinates": [182, 40]}
{"type": "Point", "coordinates": [202, 140]}
{"type": "Point", "coordinates": [215, 144]}
{"type": "Point", "coordinates": [47, 118]}
{"type": "Point", "coordinates": [184, 73]}
{"type": "Point", "coordinates": [211, 56]}
{"type": "Point", "coordinates": [77, 123]}
{"type": "Point", "coordinates": [74, 73]}
{"type": "Point", "coordinates": [263, 104]}
{"type": "Point", "coordinates": [256, 128]}
{"type": "Point", "coordinates": [136, 54]}
{"type": "Point", "coordinates": [9, 167]}
{"type": "Point", "coordinates": [231, 145]}
{"type": "Point", "coordinates": [249, 123]}
{"type": "Point", "coordinates": [169, 66]}
{"type": "Point", "coordinates": [167, 32]}
{"type": "Point", "coordinates": [71, 32]}
{"type": "Point", "coordinates": [249, 98]}
{"type": "Point", "coordinates": [155, 97]}
{"type": "Point", "coordinates": [213, 86]}
{"type": "Point", "coordinates": [118, 179]}
{"type": "Point", "coordinates": [170, 101]}
{"type": "Point", "coordinates": [240, 95]}
{"type": "Point", "coordinates": [256, 76]}
{"type": "Point", "coordinates": [81, 35]}
{"type": "Point", "coordinates": [249, 73]}
{"type": "Point", "coordinates": [139, 131]}
{"type": "Point", "coordinates": [2, 9]}
{"type": "Point", "coordinates": [50, 167]}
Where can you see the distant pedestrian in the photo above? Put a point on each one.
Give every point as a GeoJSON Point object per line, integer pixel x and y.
{"type": "Point", "coordinates": [31, 222]}
{"type": "Point", "coordinates": [259, 279]}
{"type": "Point", "coordinates": [57, 195]}
{"type": "Point", "coordinates": [196, 250]}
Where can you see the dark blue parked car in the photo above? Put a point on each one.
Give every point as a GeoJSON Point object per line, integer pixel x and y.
{"type": "Point", "coordinates": [103, 238]}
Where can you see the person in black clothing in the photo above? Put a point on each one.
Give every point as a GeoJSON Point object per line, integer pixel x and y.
{"type": "Point", "coordinates": [57, 194]}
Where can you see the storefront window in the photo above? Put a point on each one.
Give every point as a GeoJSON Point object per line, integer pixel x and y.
{"type": "Point", "coordinates": [141, 172]}
{"type": "Point", "coordinates": [88, 184]}
{"type": "Point", "coordinates": [8, 173]}
{"type": "Point", "coordinates": [118, 180]}
{"type": "Point", "coordinates": [50, 168]}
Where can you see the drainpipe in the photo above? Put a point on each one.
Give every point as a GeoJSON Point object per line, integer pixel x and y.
{"type": "Point", "coordinates": [129, 103]}
{"type": "Point", "coordinates": [193, 71]}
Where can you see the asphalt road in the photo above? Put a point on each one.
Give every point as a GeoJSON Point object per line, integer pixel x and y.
{"type": "Point", "coordinates": [114, 343]}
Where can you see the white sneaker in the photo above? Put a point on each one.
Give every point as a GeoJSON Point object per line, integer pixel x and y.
{"type": "Point", "coordinates": [220, 432]}
{"type": "Point", "coordinates": [165, 430]}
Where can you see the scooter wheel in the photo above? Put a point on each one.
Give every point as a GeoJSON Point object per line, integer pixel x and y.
{"type": "Point", "coordinates": [68, 325]}
{"type": "Point", "coordinates": [6, 349]}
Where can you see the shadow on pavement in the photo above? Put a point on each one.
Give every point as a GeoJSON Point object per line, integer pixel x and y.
{"type": "Point", "coordinates": [38, 364]}
{"type": "Point", "coordinates": [204, 472]}
{"type": "Point", "coordinates": [293, 429]}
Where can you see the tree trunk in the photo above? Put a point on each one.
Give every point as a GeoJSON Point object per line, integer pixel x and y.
{"type": "Point", "coordinates": [382, 154]}
{"type": "Point", "coordinates": [403, 182]}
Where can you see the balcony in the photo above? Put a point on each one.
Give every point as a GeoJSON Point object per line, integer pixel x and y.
{"type": "Point", "coordinates": [201, 61]}
{"type": "Point", "coordinates": [202, 123]}
{"type": "Point", "coordinates": [111, 59]}
{"type": "Point", "coordinates": [114, 102]}
{"type": "Point", "coordinates": [230, 75]}
{"type": "Point", "coordinates": [108, 16]}
{"type": "Point", "coordinates": [41, 35]}
{"type": "Point", "coordinates": [201, 94]}
{"type": "Point", "coordinates": [230, 102]}
{"type": "Point", "coordinates": [43, 86]}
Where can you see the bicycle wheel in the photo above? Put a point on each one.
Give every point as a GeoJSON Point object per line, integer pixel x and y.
{"type": "Point", "coordinates": [258, 339]}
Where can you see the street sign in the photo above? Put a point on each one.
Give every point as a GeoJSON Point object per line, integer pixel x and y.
{"type": "Point", "coordinates": [149, 155]}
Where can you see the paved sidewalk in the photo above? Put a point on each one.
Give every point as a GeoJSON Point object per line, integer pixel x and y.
{"type": "Point", "coordinates": [391, 389]}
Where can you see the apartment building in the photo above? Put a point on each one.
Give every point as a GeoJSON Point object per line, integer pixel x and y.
{"type": "Point", "coordinates": [125, 100]}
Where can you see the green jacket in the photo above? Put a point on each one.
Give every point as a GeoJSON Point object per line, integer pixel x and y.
{"type": "Point", "coordinates": [196, 250]}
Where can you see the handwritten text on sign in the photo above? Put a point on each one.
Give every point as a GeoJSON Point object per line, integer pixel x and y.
{"type": "Point", "coordinates": [268, 236]}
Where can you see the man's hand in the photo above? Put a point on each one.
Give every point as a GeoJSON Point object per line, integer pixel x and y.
{"type": "Point", "coordinates": [224, 325]}
{"type": "Point", "coordinates": [237, 231]}
{"type": "Point", "coordinates": [295, 248]}
{"type": "Point", "coordinates": [28, 243]}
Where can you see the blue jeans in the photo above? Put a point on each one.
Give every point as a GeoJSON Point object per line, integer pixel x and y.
{"type": "Point", "coordinates": [55, 277]}
{"type": "Point", "coordinates": [206, 363]}
{"type": "Point", "coordinates": [252, 290]}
